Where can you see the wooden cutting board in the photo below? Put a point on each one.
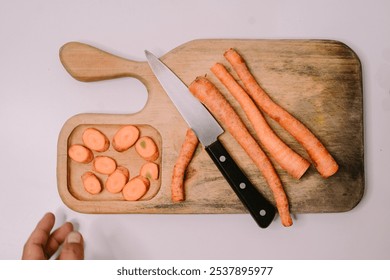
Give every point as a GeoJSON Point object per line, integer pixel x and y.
{"type": "Point", "coordinates": [318, 81]}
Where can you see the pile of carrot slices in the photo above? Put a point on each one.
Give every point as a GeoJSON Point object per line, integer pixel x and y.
{"type": "Point", "coordinates": [254, 101]}
{"type": "Point", "coordinates": [117, 178]}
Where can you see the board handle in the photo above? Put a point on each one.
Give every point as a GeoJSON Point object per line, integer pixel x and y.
{"type": "Point", "coordinates": [87, 64]}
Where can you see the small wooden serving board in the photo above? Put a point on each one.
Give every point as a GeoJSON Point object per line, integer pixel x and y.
{"type": "Point", "coordinates": [318, 81]}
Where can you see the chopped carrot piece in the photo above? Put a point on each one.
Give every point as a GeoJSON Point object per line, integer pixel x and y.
{"type": "Point", "coordinates": [150, 171]}
{"type": "Point", "coordinates": [320, 156]}
{"type": "Point", "coordinates": [80, 153]}
{"type": "Point", "coordinates": [125, 137]}
{"type": "Point", "coordinates": [289, 160]}
{"type": "Point", "coordinates": [183, 160]}
{"type": "Point", "coordinates": [104, 165]}
{"type": "Point", "coordinates": [136, 188]}
{"type": "Point", "coordinates": [147, 148]}
{"type": "Point", "coordinates": [95, 140]}
{"type": "Point", "coordinates": [117, 180]}
{"type": "Point", "coordinates": [91, 183]}
{"type": "Point", "coordinates": [211, 97]}
{"type": "Point", "coordinates": [125, 171]}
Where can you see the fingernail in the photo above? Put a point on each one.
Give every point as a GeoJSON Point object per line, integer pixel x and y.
{"type": "Point", "coordinates": [74, 237]}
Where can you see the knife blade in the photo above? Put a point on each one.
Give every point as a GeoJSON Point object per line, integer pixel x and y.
{"type": "Point", "coordinates": [207, 129]}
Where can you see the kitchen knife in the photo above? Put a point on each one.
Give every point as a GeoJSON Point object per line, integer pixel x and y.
{"type": "Point", "coordinates": [208, 130]}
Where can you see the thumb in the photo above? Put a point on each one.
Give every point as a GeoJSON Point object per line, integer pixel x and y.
{"type": "Point", "coordinates": [73, 247]}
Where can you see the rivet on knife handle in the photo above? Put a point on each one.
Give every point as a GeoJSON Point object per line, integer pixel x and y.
{"type": "Point", "coordinates": [258, 206]}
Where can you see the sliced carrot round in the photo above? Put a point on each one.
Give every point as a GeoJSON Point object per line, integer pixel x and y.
{"type": "Point", "coordinates": [91, 183]}
{"type": "Point", "coordinates": [104, 165]}
{"type": "Point", "coordinates": [117, 180]}
{"type": "Point", "coordinates": [125, 171]}
{"type": "Point", "coordinates": [125, 137]}
{"type": "Point", "coordinates": [136, 188]}
{"type": "Point", "coordinates": [150, 170]}
{"type": "Point", "coordinates": [95, 140]}
{"type": "Point", "coordinates": [80, 153]}
{"type": "Point", "coordinates": [147, 148]}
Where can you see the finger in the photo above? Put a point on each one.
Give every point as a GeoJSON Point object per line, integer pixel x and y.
{"type": "Point", "coordinates": [73, 248]}
{"type": "Point", "coordinates": [35, 245]}
{"type": "Point", "coordinates": [57, 238]}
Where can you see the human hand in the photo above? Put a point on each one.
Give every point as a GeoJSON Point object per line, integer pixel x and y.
{"type": "Point", "coordinates": [42, 244]}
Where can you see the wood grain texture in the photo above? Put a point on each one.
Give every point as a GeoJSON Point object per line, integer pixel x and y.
{"type": "Point", "coordinates": [318, 81]}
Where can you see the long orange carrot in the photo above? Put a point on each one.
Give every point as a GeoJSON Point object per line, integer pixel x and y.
{"type": "Point", "coordinates": [186, 153]}
{"type": "Point", "coordinates": [289, 160]}
{"type": "Point", "coordinates": [320, 156]}
{"type": "Point", "coordinates": [210, 96]}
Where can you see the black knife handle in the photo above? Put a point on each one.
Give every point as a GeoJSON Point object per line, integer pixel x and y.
{"type": "Point", "coordinates": [258, 206]}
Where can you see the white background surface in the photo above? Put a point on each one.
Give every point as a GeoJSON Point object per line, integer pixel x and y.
{"type": "Point", "coordinates": [37, 96]}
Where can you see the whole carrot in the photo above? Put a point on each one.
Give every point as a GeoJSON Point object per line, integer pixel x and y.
{"type": "Point", "coordinates": [289, 160]}
{"type": "Point", "coordinates": [186, 153]}
{"type": "Point", "coordinates": [322, 159]}
{"type": "Point", "coordinates": [211, 97]}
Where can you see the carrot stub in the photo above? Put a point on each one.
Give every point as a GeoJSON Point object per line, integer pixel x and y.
{"type": "Point", "coordinates": [125, 137]}
{"type": "Point", "coordinates": [136, 188]}
{"type": "Point", "coordinates": [289, 160]}
{"type": "Point", "coordinates": [183, 160]}
{"type": "Point", "coordinates": [150, 171]}
{"type": "Point", "coordinates": [147, 148]}
{"type": "Point", "coordinates": [210, 96]}
{"type": "Point", "coordinates": [79, 153]}
{"type": "Point", "coordinates": [104, 165]}
{"type": "Point", "coordinates": [95, 140]}
{"type": "Point", "coordinates": [91, 183]}
{"type": "Point", "coordinates": [117, 180]}
{"type": "Point", "coordinates": [320, 156]}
